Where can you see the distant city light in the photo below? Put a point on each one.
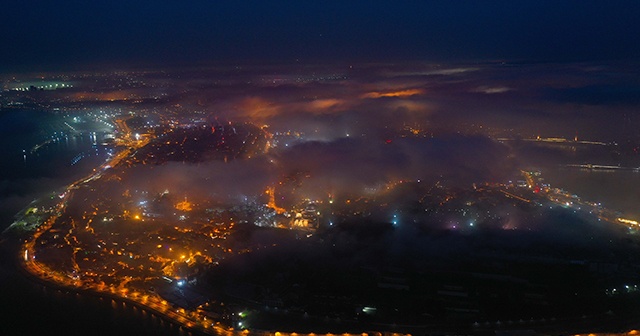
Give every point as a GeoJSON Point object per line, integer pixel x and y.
{"type": "Point", "coordinates": [627, 221]}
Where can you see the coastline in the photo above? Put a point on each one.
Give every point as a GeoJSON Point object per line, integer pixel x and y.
{"type": "Point", "coordinates": [13, 263]}
{"type": "Point", "coordinates": [156, 306]}
{"type": "Point", "coordinates": [28, 229]}
{"type": "Point", "coordinates": [17, 237]}
{"type": "Point", "coordinates": [153, 303]}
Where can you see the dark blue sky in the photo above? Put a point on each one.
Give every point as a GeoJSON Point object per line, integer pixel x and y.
{"type": "Point", "coordinates": [68, 34]}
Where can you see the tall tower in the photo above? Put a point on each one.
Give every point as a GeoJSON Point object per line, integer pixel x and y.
{"type": "Point", "coordinates": [271, 191]}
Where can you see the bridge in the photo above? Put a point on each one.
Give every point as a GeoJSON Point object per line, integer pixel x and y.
{"type": "Point", "coordinates": [601, 167]}
{"type": "Point", "coordinates": [558, 141]}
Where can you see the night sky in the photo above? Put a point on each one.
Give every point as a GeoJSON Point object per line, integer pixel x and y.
{"type": "Point", "coordinates": [58, 35]}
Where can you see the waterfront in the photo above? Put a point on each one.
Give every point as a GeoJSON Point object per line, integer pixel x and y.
{"type": "Point", "coordinates": [42, 155]}
{"type": "Point", "coordinates": [26, 176]}
{"type": "Point", "coordinates": [85, 311]}
{"type": "Point", "coordinates": [181, 196]}
{"type": "Point", "coordinates": [616, 189]}
{"type": "Point", "coordinates": [31, 308]}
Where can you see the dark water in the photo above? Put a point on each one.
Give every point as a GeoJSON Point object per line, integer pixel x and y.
{"type": "Point", "coordinates": [64, 155]}
{"type": "Point", "coordinates": [27, 307]}
{"type": "Point", "coordinates": [616, 189]}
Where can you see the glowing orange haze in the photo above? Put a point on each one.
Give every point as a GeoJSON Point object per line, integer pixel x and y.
{"type": "Point", "coordinates": [184, 206]}
{"type": "Point", "coordinates": [257, 107]}
{"type": "Point", "coordinates": [401, 93]}
{"type": "Point", "coordinates": [105, 96]}
{"type": "Point", "coordinates": [321, 104]}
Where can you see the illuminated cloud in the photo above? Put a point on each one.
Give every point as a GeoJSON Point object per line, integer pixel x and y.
{"type": "Point", "coordinates": [326, 104]}
{"type": "Point", "coordinates": [453, 71]}
{"type": "Point", "coordinates": [355, 165]}
{"type": "Point", "coordinates": [211, 179]}
{"type": "Point", "coordinates": [492, 90]}
{"type": "Point", "coordinates": [259, 108]}
{"type": "Point", "coordinates": [411, 106]}
{"type": "Point", "coordinates": [104, 96]}
{"type": "Point", "coordinates": [400, 93]}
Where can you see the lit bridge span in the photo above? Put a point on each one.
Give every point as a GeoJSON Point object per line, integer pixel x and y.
{"type": "Point", "coordinates": [601, 167]}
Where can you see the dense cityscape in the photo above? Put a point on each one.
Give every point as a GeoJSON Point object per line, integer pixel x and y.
{"type": "Point", "coordinates": [334, 168]}
{"type": "Point", "coordinates": [184, 196]}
